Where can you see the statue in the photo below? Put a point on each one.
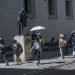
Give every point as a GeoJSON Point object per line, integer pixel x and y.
{"type": "Point", "coordinates": [22, 20]}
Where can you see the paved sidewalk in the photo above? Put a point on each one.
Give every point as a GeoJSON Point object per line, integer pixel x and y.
{"type": "Point", "coordinates": [45, 63]}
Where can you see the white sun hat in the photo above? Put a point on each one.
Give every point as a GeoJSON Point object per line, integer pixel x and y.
{"type": "Point", "coordinates": [61, 35]}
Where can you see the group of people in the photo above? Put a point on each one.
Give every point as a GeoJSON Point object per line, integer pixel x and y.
{"type": "Point", "coordinates": [63, 42]}
{"type": "Point", "coordinates": [17, 50]}
{"type": "Point", "coordinates": [37, 46]}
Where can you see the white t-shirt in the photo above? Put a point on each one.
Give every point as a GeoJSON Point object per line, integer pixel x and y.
{"type": "Point", "coordinates": [37, 45]}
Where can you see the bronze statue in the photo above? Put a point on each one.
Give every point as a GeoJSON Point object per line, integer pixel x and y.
{"type": "Point", "coordinates": [22, 20]}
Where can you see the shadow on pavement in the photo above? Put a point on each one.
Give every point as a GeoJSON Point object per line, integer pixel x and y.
{"type": "Point", "coordinates": [51, 63]}
{"type": "Point", "coordinates": [36, 72]}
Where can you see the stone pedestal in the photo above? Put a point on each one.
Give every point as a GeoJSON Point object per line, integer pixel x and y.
{"type": "Point", "coordinates": [25, 41]}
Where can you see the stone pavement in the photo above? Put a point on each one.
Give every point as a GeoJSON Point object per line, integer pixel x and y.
{"type": "Point", "coordinates": [45, 63]}
{"type": "Point", "coordinates": [51, 60]}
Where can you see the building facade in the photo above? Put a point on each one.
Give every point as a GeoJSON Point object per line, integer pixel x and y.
{"type": "Point", "coordinates": [58, 16]}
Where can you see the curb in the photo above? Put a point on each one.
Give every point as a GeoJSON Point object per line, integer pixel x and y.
{"type": "Point", "coordinates": [52, 67]}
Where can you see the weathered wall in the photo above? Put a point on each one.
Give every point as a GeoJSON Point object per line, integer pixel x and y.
{"type": "Point", "coordinates": [53, 26]}
{"type": "Point", "coordinates": [8, 18]}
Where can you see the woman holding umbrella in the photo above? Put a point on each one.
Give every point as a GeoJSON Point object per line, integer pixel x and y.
{"type": "Point", "coordinates": [37, 48]}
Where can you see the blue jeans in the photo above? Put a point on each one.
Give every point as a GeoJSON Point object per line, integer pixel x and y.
{"type": "Point", "coordinates": [73, 50]}
{"type": "Point", "coordinates": [38, 55]}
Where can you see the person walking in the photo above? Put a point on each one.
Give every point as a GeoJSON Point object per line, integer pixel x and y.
{"type": "Point", "coordinates": [3, 51]}
{"type": "Point", "coordinates": [37, 48]}
{"type": "Point", "coordinates": [62, 44]}
{"type": "Point", "coordinates": [17, 50]}
{"type": "Point", "coordinates": [42, 43]}
{"type": "Point", "coordinates": [41, 40]}
{"type": "Point", "coordinates": [73, 43]}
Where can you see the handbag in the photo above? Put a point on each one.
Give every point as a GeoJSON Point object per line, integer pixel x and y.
{"type": "Point", "coordinates": [63, 43]}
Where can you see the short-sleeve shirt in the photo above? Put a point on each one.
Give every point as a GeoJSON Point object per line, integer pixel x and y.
{"type": "Point", "coordinates": [37, 45]}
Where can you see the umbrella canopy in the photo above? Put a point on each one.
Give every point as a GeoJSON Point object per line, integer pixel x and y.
{"type": "Point", "coordinates": [37, 28]}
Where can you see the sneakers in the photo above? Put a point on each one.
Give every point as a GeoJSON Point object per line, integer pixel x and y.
{"type": "Point", "coordinates": [38, 63]}
{"type": "Point", "coordinates": [62, 57]}
{"type": "Point", "coordinates": [7, 64]}
{"type": "Point", "coordinates": [18, 61]}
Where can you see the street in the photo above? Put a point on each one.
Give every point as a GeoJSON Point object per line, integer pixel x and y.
{"type": "Point", "coordinates": [50, 64]}
{"type": "Point", "coordinates": [64, 70]}
{"type": "Point", "coordinates": [58, 72]}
